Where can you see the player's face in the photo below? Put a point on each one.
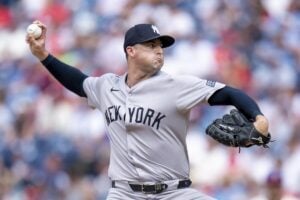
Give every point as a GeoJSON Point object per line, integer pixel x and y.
{"type": "Point", "coordinates": [150, 55]}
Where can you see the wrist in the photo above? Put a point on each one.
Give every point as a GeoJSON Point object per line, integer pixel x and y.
{"type": "Point", "coordinates": [261, 124]}
{"type": "Point", "coordinates": [42, 56]}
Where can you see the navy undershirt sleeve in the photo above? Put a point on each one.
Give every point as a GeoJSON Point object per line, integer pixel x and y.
{"type": "Point", "coordinates": [68, 76]}
{"type": "Point", "coordinates": [237, 98]}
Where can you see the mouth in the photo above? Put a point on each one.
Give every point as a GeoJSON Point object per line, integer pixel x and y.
{"type": "Point", "coordinates": [159, 62]}
{"type": "Point", "coordinates": [159, 59]}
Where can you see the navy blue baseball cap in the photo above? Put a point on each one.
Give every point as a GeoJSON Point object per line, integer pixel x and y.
{"type": "Point", "coordinates": [143, 33]}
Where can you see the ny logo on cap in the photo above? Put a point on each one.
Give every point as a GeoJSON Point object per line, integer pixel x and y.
{"type": "Point", "coordinates": [155, 29]}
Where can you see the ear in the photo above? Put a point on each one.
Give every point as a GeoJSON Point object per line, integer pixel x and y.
{"type": "Point", "coordinates": [130, 51]}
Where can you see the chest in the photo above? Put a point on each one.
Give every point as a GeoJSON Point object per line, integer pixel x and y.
{"type": "Point", "coordinates": [148, 106]}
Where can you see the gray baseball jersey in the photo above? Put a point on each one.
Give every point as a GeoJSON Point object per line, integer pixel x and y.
{"type": "Point", "coordinates": [147, 123]}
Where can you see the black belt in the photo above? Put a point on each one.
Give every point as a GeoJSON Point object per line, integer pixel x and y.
{"type": "Point", "coordinates": [155, 188]}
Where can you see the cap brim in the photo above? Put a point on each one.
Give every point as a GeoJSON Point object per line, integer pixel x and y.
{"type": "Point", "coordinates": [166, 40]}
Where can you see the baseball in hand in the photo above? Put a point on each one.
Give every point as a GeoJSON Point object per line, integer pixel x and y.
{"type": "Point", "coordinates": [35, 30]}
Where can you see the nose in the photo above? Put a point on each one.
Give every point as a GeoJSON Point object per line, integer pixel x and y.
{"type": "Point", "coordinates": [159, 50]}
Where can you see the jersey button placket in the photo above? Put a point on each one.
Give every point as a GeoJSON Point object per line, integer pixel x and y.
{"type": "Point", "coordinates": [127, 104]}
{"type": "Point", "coordinates": [131, 153]}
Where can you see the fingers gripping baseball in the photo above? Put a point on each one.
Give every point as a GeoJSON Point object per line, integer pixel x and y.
{"type": "Point", "coordinates": [37, 44]}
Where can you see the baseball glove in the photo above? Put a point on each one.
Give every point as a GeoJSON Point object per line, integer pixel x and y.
{"type": "Point", "coordinates": [236, 130]}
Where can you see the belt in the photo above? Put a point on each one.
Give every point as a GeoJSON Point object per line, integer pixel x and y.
{"type": "Point", "coordinates": [156, 187]}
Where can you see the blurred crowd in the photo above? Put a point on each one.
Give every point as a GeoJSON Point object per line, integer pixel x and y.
{"type": "Point", "coordinates": [53, 146]}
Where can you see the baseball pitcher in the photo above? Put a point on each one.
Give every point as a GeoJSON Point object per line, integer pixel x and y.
{"type": "Point", "coordinates": [146, 113]}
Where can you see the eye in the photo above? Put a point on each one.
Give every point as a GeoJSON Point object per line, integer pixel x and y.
{"type": "Point", "coordinates": [152, 45]}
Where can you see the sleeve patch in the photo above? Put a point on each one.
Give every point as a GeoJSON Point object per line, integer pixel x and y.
{"type": "Point", "coordinates": [210, 83]}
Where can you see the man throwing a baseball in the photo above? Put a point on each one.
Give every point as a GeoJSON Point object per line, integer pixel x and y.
{"type": "Point", "coordinates": [146, 113]}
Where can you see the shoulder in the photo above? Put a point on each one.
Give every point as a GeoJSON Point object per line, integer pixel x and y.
{"type": "Point", "coordinates": [165, 75]}
{"type": "Point", "coordinates": [193, 81]}
{"type": "Point", "coordinates": [100, 81]}
{"type": "Point", "coordinates": [186, 79]}
{"type": "Point", "coordinates": [107, 76]}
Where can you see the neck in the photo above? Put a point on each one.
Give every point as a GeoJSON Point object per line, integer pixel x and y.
{"type": "Point", "coordinates": [136, 75]}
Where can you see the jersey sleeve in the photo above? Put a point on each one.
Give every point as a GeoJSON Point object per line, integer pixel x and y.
{"type": "Point", "coordinates": [193, 91]}
{"type": "Point", "coordinates": [93, 88]}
